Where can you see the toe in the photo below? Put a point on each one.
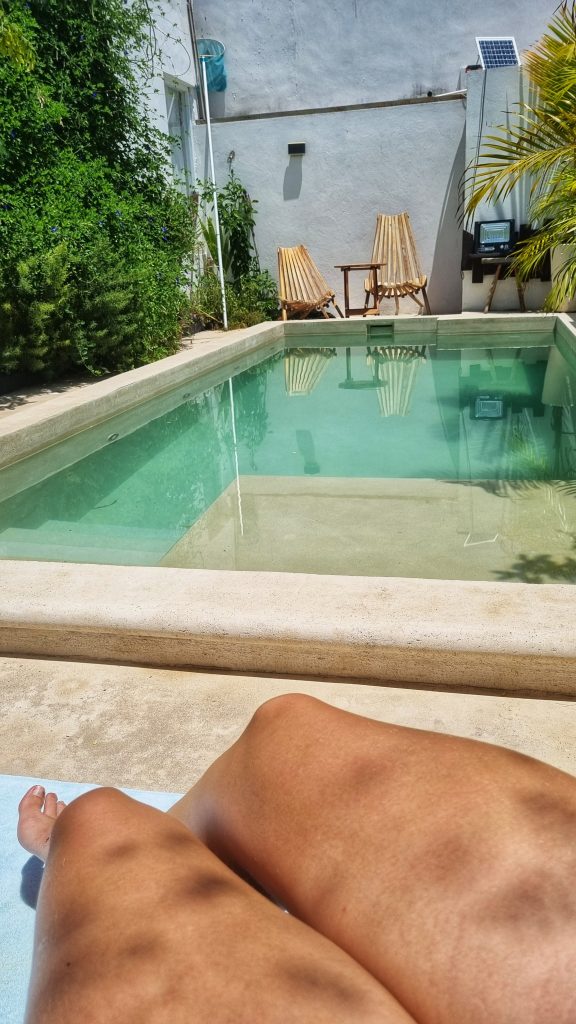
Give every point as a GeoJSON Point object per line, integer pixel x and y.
{"type": "Point", "coordinates": [38, 811]}
{"type": "Point", "coordinates": [32, 800]}
{"type": "Point", "coordinates": [50, 803]}
{"type": "Point", "coordinates": [60, 807]}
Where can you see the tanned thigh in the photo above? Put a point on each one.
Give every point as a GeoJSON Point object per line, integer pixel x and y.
{"type": "Point", "coordinates": [139, 922]}
{"type": "Point", "coordinates": [445, 866]}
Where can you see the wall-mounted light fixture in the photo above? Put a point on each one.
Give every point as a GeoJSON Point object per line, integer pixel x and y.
{"type": "Point", "coordinates": [296, 148]}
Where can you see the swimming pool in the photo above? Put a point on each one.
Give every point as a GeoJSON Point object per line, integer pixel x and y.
{"type": "Point", "coordinates": [406, 631]}
{"type": "Point", "coordinates": [367, 455]}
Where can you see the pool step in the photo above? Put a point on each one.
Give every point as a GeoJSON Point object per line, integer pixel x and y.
{"type": "Point", "coordinates": [58, 541]}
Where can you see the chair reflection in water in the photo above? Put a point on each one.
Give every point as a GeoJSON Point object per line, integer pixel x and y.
{"type": "Point", "coordinates": [395, 368]}
{"type": "Point", "coordinates": [304, 367]}
{"type": "Point", "coordinates": [394, 371]}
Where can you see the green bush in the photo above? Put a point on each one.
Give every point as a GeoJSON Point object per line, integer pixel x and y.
{"type": "Point", "coordinates": [95, 243]}
{"type": "Point", "coordinates": [251, 293]}
{"type": "Point", "coordinates": [249, 301]}
{"type": "Point", "coordinates": [237, 217]}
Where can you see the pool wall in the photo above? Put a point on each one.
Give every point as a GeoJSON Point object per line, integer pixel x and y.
{"type": "Point", "coordinates": [502, 636]}
{"type": "Point", "coordinates": [35, 427]}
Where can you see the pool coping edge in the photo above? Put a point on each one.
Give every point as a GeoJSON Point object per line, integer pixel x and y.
{"type": "Point", "coordinates": [512, 636]}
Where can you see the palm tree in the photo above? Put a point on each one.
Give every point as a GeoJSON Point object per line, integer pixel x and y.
{"type": "Point", "coordinates": [541, 148]}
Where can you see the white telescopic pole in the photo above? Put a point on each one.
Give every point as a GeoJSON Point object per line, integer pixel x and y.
{"type": "Point", "coordinates": [214, 196]}
{"type": "Point", "coordinates": [236, 466]}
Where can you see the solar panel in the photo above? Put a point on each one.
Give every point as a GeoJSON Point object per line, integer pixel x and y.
{"type": "Point", "coordinates": [497, 52]}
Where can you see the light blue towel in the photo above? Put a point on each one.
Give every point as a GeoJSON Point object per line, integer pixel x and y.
{"type": "Point", "coordinates": [20, 876]}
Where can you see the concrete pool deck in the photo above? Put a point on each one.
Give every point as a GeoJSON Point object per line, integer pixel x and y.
{"type": "Point", "coordinates": [160, 728]}
{"type": "Point", "coordinates": [47, 417]}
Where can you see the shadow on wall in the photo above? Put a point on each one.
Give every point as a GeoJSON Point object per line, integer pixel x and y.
{"type": "Point", "coordinates": [445, 287]}
{"type": "Point", "coordinates": [217, 102]}
{"type": "Point", "coordinates": [293, 178]}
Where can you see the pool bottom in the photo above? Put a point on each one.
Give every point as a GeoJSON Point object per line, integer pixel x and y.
{"type": "Point", "coordinates": [505, 531]}
{"type": "Point", "coordinates": [492, 530]}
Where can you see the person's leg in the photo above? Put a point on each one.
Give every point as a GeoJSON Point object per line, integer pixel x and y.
{"type": "Point", "coordinates": [445, 866]}
{"type": "Point", "coordinates": [138, 922]}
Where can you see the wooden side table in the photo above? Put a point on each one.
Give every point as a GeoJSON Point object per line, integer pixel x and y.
{"type": "Point", "coordinates": [373, 269]}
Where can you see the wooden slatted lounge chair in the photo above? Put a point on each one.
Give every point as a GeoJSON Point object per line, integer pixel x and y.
{"type": "Point", "coordinates": [302, 289]}
{"type": "Point", "coordinates": [401, 274]}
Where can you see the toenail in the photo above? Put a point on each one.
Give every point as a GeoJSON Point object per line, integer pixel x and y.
{"type": "Point", "coordinates": [38, 790]}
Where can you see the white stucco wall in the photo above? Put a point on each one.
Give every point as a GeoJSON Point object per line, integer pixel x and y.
{"type": "Point", "coordinates": [357, 164]}
{"type": "Point", "coordinates": [289, 54]}
{"type": "Point", "coordinates": [293, 55]}
{"type": "Point", "coordinates": [491, 101]}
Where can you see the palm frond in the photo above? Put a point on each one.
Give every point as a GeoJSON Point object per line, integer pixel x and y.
{"type": "Point", "coordinates": [538, 146]}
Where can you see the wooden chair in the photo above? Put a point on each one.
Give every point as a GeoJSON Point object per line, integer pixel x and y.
{"type": "Point", "coordinates": [302, 289]}
{"type": "Point", "coordinates": [401, 274]}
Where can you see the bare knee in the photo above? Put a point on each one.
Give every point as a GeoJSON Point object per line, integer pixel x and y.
{"type": "Point", "coordinates": [95, 803]}
{"type": "Point", "coordinates": [90, 816]}
{"type": "Point", "coordinates": [281, 738]}
{"type": "Point", "coordinates": [282, 723]}
{"type": "Point", "coordinates": [274, 734]}
{"type": "Point", "coordinates": [285, 709]}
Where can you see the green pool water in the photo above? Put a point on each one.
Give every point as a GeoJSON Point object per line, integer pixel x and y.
{"type": "Point", "coordinates": [382, 460]}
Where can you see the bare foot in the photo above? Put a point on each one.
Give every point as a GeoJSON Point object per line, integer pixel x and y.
{"type": "Point", "coordinates": [37, 813]}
